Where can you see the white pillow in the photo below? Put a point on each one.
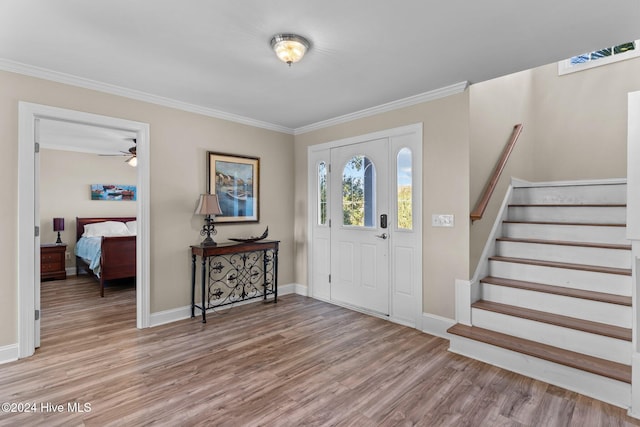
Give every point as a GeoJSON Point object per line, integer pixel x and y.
{"type": "Point", "coordinates": [107, 228]}
{"type": "Point", "coordinates": [133, 227]}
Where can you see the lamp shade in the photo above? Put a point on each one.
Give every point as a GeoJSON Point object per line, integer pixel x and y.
{"type": "Point", "coordinates": [58, 224]}
{"type": "Point", "coordinates": [208, 205]}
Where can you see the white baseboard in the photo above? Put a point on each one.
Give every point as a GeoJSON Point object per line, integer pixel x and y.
{"type": "Point", "coordinates": [9, 353]}
{"type": "Point", "coordinates": [169, 316]}
{"type": "Point", "coordinates": [436, 325]}
{"type": "Point", "coordinates": [181, 313]}
{"type": "Point", "coordinates": [294, 288]}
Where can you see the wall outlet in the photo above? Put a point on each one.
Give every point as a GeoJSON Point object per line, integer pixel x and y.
{"type": "Point", "coordinates": [67, 255]}
{"type": "Point", "coordinates": [440, 220]}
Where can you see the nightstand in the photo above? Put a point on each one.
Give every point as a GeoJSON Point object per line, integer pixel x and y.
{"type": "Point", "coordinates": [52, 265]}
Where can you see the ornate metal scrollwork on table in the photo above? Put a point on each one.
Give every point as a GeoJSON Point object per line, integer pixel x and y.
{"type": "Point", "coordinates": [240, 276]}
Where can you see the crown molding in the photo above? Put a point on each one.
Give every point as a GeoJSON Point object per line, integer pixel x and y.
{"type": "Point", "coordinates": [69, 79]}
{"type": "Point", "coordinates": [389, 106]}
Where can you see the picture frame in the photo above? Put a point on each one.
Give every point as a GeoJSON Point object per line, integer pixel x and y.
{"type": "Point", "coordinates": [114, 192]}
{"type": "Point", "coordinates": [235, 179]}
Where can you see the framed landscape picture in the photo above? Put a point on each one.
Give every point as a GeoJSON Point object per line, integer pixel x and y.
{"type": "Point", "coordinates": [235, 180]}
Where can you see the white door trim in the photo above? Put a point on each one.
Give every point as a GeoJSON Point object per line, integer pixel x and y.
{"type": "Point", "coordinates": [414, 129]}
{"type": "Point", "coordinates": [28, 113]}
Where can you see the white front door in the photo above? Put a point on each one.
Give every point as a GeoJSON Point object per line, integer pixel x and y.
{"type": "Point", "coordinates": [360, 225]}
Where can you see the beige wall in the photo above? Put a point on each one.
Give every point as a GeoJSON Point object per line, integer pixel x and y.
{"type": "Point", "coordinates": [581, 121]}
{"type": "Point", "coordinates": [178, 146]}
{"type": "Point", "coordinates": [495, 107]}
{"type": "Point", "coordinates": [445, 190]}
{"type": "Point", "coordinates": [65, 179]}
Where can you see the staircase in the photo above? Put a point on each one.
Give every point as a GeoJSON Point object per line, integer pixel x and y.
{"type": "Point", "coordinates": [556, 300]}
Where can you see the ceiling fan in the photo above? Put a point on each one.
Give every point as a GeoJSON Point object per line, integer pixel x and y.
{"type": "Point", "coordinates": [133, 159]}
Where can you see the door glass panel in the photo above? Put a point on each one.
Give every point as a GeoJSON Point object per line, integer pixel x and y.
{"type": "Point", "coordinates": [322, 193]}
{"type": "Point", "coordinates": [404, 196]}
{"type": "Point", "coordinates": [358, 192]}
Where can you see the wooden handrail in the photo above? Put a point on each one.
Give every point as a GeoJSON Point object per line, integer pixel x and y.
{"type": "Point", "coordinates": [478, 212]}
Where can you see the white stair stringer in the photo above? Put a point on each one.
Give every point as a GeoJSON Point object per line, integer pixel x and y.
{"type": "Point", "coordinates": [608, 390]}
{"type": "Point", "coordinates": [594, 311]}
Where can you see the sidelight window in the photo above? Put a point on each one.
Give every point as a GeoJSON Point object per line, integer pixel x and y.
{"type": "Point", "coordinates": [404, 190]}
{"type": "Point", "coordinates": [322, 193]}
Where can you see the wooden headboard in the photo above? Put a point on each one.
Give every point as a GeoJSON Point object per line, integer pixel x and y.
{"type": "Point", "coordinates": [81, 222]}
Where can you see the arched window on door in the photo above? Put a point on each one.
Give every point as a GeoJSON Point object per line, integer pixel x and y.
{"type": "Point", "coordinates": [358, 192]}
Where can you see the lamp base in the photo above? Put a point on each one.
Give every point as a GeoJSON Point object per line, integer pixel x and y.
{"type": "Point", "coordinates": [208, 242]}
{"type": "Point", "coordinates": [208, 229]}
{"type": "Point", "coordinates": [59, 241]}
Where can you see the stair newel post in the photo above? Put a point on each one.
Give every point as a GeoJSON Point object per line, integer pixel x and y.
{"type": "Point", "coordinates": [464, 299]}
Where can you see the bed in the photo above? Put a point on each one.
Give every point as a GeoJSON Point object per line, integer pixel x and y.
{"type": "Point", "coordinates": [105, 252]}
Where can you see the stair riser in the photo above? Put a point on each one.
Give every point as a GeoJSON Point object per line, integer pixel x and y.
{"type": "Point", "coordinates": [576, 279]}
{"type": "Point", "coordinates": [570, 233]}
{"type": "Point", "coordinates": [615, 258]}
{"type": "Point", "coordinates": [573, 194]}
{"type": "Point", "coordinates": [595, 311]}
{"type": "Point", "coordinates": [586, 215]}
{"type": "Point", "coordinates": [599, 346]}
{"type": "Point", "coordinates": [608, 390]}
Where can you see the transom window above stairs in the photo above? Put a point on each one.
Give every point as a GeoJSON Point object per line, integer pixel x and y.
{"type": "Point", "coordinates": [599, 57]}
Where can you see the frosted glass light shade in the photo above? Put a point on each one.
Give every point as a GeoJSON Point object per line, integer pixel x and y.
{"type": "Point", "coordinates": [289, 48]}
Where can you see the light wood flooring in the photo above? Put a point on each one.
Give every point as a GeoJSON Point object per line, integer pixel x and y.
{"type": "Point", "coordinates": [295, 363]}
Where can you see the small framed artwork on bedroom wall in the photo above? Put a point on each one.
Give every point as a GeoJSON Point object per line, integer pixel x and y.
{"type": "Point", "coordinates": [236, 181]}
{"type": "Point", "coordinates": [113, 192]}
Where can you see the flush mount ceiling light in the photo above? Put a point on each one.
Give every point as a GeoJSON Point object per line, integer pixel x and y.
{"type": "Point", "coordinates": [289, 48]}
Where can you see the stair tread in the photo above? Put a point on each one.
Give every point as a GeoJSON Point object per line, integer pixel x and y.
{"type": "Point", "coordinates": [566, 265]}
{"type": "Point", "coordinates": [560, 290]}
{"type": "Point", "coordinates": [556, 319]}
{"type": "Point", "coordinates": [594, 365]}
{"type": "Point", "coordinates": [566, 243]}
{"type": "Point", "coordinates": [566, 223]}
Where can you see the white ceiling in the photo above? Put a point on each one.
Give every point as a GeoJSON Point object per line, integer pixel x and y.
{"type": "Point", "coordinates": [70, 136]}
{"type": "Point", "coordinates": [215, 55]}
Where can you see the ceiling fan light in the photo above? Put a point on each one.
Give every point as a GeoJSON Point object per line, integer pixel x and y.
{"type": "Point", "coordinates": [133, 161]}
{"type": "Point", "coordinates": [289, 48]}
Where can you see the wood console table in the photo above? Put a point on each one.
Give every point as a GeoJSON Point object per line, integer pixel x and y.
{"type": "Point", "coordinates": [234, 272]}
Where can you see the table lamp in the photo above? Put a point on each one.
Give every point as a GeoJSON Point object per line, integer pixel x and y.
{"type": "Point", "coordinates": [208, 206]}
{"type": "Point", "coordinates": [58, 225]}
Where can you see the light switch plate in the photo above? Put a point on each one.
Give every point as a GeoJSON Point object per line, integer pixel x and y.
{"type": "Point", "coordinates": [440, 220]}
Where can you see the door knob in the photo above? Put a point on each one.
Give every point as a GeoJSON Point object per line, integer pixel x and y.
{"type": "Point", "coordinates": [382, 236]}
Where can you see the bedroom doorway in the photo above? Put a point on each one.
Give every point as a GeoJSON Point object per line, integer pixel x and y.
{"type": "Point", "coordinates": [29, 241]}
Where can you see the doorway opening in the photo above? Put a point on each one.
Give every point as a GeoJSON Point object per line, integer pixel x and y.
{"type": "Point", "coordinates": [28, 215]}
